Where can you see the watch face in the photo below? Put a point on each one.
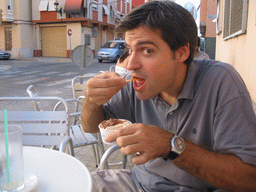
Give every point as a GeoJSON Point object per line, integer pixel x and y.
{"type": "Point", "coordinates": [179, 144]}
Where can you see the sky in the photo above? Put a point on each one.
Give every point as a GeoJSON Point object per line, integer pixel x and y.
{"type": "Point", "coordinates": [196, 3]}
{"type": "Point", "coordinates": [182, 2]}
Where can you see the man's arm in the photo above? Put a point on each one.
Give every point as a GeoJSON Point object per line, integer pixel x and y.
{"type": "Point", "coordinates": [225, 171]}
{"type": "Point", "coordinates": [99, 90]}
{"type": "Point", "coordinates": [222, 170]}
{"type": "Point", "coordinates": [91, 116]}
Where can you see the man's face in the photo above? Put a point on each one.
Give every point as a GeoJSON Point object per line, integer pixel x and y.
{"type": "Point", "coordinates": [152, 62]}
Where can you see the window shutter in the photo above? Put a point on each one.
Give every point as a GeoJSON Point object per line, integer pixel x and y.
{"type": "Point", "coordinates": [235, 18]}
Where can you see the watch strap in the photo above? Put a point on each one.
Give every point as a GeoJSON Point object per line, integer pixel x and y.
{"type": "Point", "coordinates": [172, 155]}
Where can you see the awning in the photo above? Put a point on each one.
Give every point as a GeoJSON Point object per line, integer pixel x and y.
{"type": "Point", "coordinates": [106, 10]}
{"type": "Point", "coordinates": [72, 6]}
{"type": "Point", "coordinates": [51, 5]}
{"type": "Point", "coordinates": [43, 6]}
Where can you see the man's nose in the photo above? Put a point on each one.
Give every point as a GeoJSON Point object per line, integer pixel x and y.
{"type": "Point", "coordinates": [134, 62]}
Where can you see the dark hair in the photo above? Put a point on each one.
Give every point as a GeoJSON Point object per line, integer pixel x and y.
{"type": "Point", "coordinates": [198, 42]}
{"type": "Point", "coordinates": [124, 55]}
{"type": "Point", "coordinates": [176, 24]}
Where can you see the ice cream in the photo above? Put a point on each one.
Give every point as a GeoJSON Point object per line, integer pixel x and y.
{"type": "Point", "coordinates": [111, 125]}
{"type": "Point", "coordinates": [114, 124]}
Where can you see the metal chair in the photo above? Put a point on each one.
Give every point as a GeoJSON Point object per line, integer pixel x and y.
{"type": "Point", "coordinates": [79, 137]}
{"type": "Point", "coordinates": [79, 86]}
{"type": "Point", "coordinates": [79, 90]}
{"type": "Point", "coordinates": [37, 131]}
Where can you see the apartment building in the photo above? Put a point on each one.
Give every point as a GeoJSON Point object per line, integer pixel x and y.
{"type": "Point", "coordinates": [236, 40]}
{"type": "Point", "coordinates": [53, 28]}
{"type": "Point", "coordinates": [88, 22]}
{"type": "Point", "coordinates": [208, 14]}
{"type": "Point", "coordinates": [16, 29]}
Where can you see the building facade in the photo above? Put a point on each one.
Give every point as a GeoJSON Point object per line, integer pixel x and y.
{"type": "Point", "coordinates": [35, 28]}
{"type": "Point", "coordinates": [208, 14]}
{"type": "Point", "coordinates": [89, 22]}
{"type": "Point", "coordinates": [236, 40]}
{"type": "Point", "coordinates": [16, 29]}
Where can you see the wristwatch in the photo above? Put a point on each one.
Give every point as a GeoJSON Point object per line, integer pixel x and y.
{"type": "Point", "coordinates": [177, 147]}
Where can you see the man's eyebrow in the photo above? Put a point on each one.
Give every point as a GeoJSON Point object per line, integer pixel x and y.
{"type": "Point", "coordinates": [144, 42]}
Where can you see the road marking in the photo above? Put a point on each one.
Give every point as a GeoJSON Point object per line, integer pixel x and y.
{"type": "Point", "coordinates": [31, 81]}
{"type": "Point", "coordinates": [57, 82]}
{"type": "Point", "coordinates": [28, 73]}
{"type": "Point", "coordinates": [70, 73]}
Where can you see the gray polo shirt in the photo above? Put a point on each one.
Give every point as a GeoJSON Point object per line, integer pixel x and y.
{"type": "Point", "coordinates": [214, 111]}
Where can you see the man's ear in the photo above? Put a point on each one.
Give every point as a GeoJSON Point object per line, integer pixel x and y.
{"type": "Point", "coordinates": [182, 53]}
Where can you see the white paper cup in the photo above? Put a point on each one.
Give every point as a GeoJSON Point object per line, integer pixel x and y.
{"type": "Point", "coordinates": [105, 132]}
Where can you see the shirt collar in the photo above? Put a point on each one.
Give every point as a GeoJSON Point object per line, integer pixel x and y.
{"type": "Point", "coordinates": [188, 88]}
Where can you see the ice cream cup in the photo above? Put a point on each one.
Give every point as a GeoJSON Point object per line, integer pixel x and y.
{"type": "Point", "coordinates": [106, 131]}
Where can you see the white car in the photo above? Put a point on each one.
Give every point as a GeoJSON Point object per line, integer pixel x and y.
{"type": "Point", "coordinates": [4, 55]}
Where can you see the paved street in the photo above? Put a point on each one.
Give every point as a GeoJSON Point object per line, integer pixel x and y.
{"type": "Point", "coordinates": [51, 77]}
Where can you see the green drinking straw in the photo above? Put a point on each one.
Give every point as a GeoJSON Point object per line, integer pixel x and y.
{"type": "Point", "coordinates": [7, 146]}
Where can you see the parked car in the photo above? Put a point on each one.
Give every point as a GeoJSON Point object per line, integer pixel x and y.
{"type": "Point", "coordinates": [111, 50]}
{"type": "Point", "coordinates": [4, 55]}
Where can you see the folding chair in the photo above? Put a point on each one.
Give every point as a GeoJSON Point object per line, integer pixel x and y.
{"type": "Point", "coordinates": [79, 86]}
{"type": "Point", "coordinates": [79, 137]}
{"type": "Point", "coordinates": [79, 90]}
{"type": "Point", "coordinates": [37, 131]}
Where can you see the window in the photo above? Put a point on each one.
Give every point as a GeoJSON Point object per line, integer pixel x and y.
{"type": "Point", "coordinates": [112, 13]}
{"type": "Point", "coordinates": [95, 6]}
{"type": "Point", "coordinates": [235, 18]}
{"type": "Point", "coordinates": [9, 6]}
{"type": "Point", "coordinates": [8, 38]}
{"type": "Point", "coordinates": [43, 6]}
{"type": "Point", "coordinates": [105, 10]}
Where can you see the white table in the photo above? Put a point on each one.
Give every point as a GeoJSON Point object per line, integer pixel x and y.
{"type": "Point", "coordinates": [56, 171]}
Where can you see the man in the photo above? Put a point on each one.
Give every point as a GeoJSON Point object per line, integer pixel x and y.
{"type": "Point", "coordinates": [194, 127]}
{"type": "Point", "coordinates": [200, 55]}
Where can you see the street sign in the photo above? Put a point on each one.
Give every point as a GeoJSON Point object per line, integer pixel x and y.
{"type": "Point", "coordinates": [82, 56]}
{"type": "Point", "coordinates": [69, 32]}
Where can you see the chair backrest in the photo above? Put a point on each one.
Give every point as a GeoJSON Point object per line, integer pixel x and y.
{"type": "Point", "coordinates": [35, 125]}
{"type": "Point", "coordinates": [74, 104]}
{"type": "Point", "coordinates": [31, 90]}
{"type": "Point", "coordinates": [79, 86]}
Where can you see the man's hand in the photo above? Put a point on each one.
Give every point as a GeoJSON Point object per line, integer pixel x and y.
{"type": "Point", "coordinates": [103, 87]}
{"type": "Point", "coordinates": [146, 141]}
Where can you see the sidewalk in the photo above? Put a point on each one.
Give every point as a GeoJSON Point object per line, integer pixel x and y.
{"type": "Point", "coordinates": [47, 60]}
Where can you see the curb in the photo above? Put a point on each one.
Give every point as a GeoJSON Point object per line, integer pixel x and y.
{"type": "Point", "coordinates": [46, 60]}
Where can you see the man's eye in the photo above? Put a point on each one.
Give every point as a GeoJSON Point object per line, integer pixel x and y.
{"type": "Point", "coordinates": [147, 51]}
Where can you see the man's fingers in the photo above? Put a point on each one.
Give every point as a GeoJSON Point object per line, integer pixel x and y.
{"type": "Point", "coordinates": [139, 159]}
{"type": "Point", "coordinates": [126, 131]}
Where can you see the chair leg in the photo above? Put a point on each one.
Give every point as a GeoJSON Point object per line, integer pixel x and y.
{"type": "Point", "coordinates": [103, 162]}
{"type": "Point", "coordinates": [71, 148]}
{"type": "Point", "coordinates": [124, 161]}
{"type": "Point", "coordinates": [95, 155]}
